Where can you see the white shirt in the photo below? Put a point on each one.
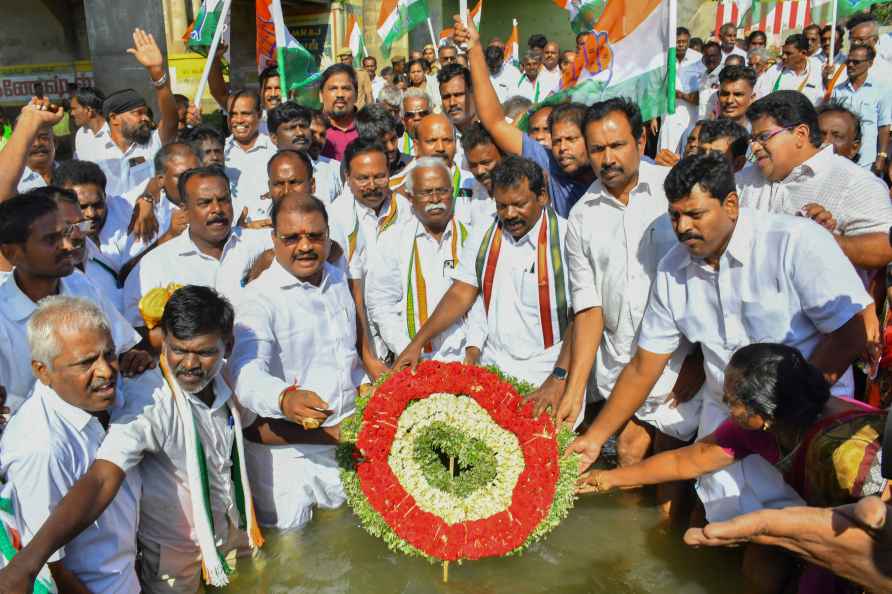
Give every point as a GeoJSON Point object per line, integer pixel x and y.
{"type": "Point", "coordinates": [102, 273]}
{"type": "Point", "coordinates": [15, 311]}
{"type": "Point", "coordinates": [180, 261]}
{"type": "Point", "coordinates": [164, 208]}
{"type": "Point", "coordinates": [505, 82]}
{"type": "Point", "coordinates": [88, 145]}
{"type": "Point", "coordinates": [387, 288]}
{"type": "Point", "coordinates": [612, 255]}
{"type": "Point", "coordinates": [676, 126]}
{"type": "Point", "coordinates": [709, 88]}
{"type": "Point", "coordinates": [30, 180]}
{"type": "Point", "coordinates": [48, 445]}
{"type": "Point", "coordinates": [550, 79]}
{"type": "Point", "coordinates": [327, 174]}
{"type": "Point", "coordinates": [151, 436]}
{"type": "Point", "coordinates": [882, 64]}
{"type": "Point", "coordinates": [781, 279]}
{"type": "Point", "coordinates": [734, 52]}
{"type": "Point", "coordinates": [535, 91]}
{"type": "Point", "coordinates": [121, 172]}
{"type": "Point", "coordinates": [291, 332]}
{"type": "Point", "coordinates": [115, 242]}
{"type": "Point", "coordinates": [377, 84]}
{"type": "Point", "coordinates": [820, 59]}
{"type": "Point", "coordinates": [248, 174]}
{"type": "Point", "coordinates": [514, 340]}
{"type": "Point", "coordinates": [778, 78]}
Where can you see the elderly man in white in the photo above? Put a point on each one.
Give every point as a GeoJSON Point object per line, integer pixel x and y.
{"type": "Point", "coordinates": [410, 277]}
{"type": "Point", "coordinates": [738, 276]}
{"type": "Point", "coordinates": [517, 265]}
{"type": "Point", "coordinates": [295, 358]}
{"type": "Point", "coordinates": [54, 438]}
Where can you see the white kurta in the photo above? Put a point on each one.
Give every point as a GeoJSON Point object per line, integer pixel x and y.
{"type": "Point", "coordinates": [777, 78]}
{"type": "Point", "coordinates": [676, 126]}
{"type": "Point", "coordinates": [247, 172]}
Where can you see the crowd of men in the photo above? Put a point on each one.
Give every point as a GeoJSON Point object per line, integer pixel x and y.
{"type": "Point", "coordinates": [186, 317]}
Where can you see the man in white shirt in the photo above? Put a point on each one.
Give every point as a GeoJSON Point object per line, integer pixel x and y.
{"type": "Point", "coordinates": [728, 39]}
{"type": "Point", "coordinates": [839, 56]}
{"type": "Point", "coordinates": [40, 163]}
{"type": "Point", "coordinates": [689, 71]}
{"type": "Point", "coordinates": [517, 266]}
{"type": "Point", "coordinates": [126, 156]}
{"type": "Point", "coordinates": [415, 105]}
{"type": "Point", "coordinates": [738, 276]}
{"type": "Point", "coordinates": [247, 152]}
{"type": "Point", "coordinates": [709, 80]}
{"type": "Point", "coordinates": [550, 74]}
{"type": "Point", "coordinates": [795, 175]}
{"type": "Point", "coordinates": [407, 281]}
{"type": "Point", "coordinates": [617, 234]}
{"type": "Point", "coordinates": [38, 239]}
{"type": "Point", "coordinates": [795, 72]}
{"type": "Point", "coordinates": [482, 156]}
{"type": "Point", "coordinates": [295, 358]}
{"type": "Point", "coordinates": [208, 253]}
{"type": "Point", "coordinates": [53, 439]}
{"type": "Point", "coordinates": [529, 85]}
{"type": "Point", "coordinates": [289, 125]}
{"type": "Point", "coordinates": [504, 76]}
{"type": "Point", "coordinates": [865, 30]}
{"type": "Point", "coordinates": [92, 129]}
{"type": "Point", "coordinates": [370, 65]}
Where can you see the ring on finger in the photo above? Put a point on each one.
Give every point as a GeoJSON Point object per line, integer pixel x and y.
{"type": "Point", "coordinates": [310, 423]}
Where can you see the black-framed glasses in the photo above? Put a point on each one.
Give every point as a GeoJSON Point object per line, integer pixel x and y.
{"type": "Point", "coordinates": [764, 137]}
{"type": "Point", "coordinates": [81, 226]}
{"type": "Point", "coordinates": [854, 62]}
{"type": "Point", "coordinates": [295, 238]}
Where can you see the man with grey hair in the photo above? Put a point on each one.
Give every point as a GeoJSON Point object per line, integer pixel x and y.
{"type": "Point", "coordinates": [728, 41]}
{"type": "Point", "coordinates": [864, 30]}
{"type": "Point", "coordinates": [415, 106]}
{"type": "Point", "coordinates": [406, 282]}
{"type": "Point", "coordinates": [759, 59]}
{"type": "Point", "coordinates": [392, 97]}
{"type": "Point", "coordinates": [54, 437]}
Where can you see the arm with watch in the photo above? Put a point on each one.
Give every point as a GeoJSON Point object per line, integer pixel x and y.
{"type": "Point", "coordinates": [147, 53]}
{"type": "Point", "coordinates": [550, 393]}
{"type": "Point", "coordinates": [882, 160]}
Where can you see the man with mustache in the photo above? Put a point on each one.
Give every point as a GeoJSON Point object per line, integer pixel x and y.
{"type": "Point", "coordinates": [409, 278]}
{"type": "Point", "coordinates": [567, 162]}
{"type": "Point", "coordinates": [435, 136]}
{"type": "Point", "coordinates": [724, 286]}
{"type": "Point", "coordinates": [41, 161]}
{"type": "Point", "coordinates": [153, 435]}
{"type": "Point", "coordinates": [291, 127]}
{"type": "Point", "coordinates": [269, 83]}
{"type": "Point", "coordinates": [840, 128]}
{"type": "Point", "coordinates": [338, 96]}
{"type": "Point", "coordinates": [517, 265]}
{"type": "Point", "coordinates": [482, 156]}
{"type": "Point", "coordinates": [43, 239]}
{"type": "Point", "coordinates": [92, 129]}
{"type": "Point", "coordinates": [209, 253]}
{"type": "Point", "coordinates": [54, 438]}
{"type": "Point", "coordinates": [296, 359]}
{"type": "Point", "coordinates": [246, 153]}
{"type": "Point", "coordinates": [126, 157]}
{"type": "Point", "coordinates": [457, 94]}
{"type": "Point", "coordinates": [796, 72]}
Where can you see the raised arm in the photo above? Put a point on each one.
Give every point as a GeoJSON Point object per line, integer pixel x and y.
{"type": "Point", "coordinates": [489, 109]}
{"type": "Point", "coordinates": [36, 115]}
{"type": "Point", "coordinates": [218, 87]}
{"type": "Point", "coordinates": [147, 53]}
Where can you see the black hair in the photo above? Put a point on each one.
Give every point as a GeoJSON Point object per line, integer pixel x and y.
{"type": "Point", "coordinates": [374, 121]}
{"type": "Point", "coordinates": [735, 60]}
{"type": "Point", "coordinates": [267, 73]}
{"type": "Point", "coordinates": [320, 115]}
{"type": "Point", "coordinates": [494, 57]}
{"type": "Point", "coordinates": [753, 35]}
{"type": "Point", "coordinates": [710, 44]}
{"type": "Point", "coordinates": [568, 112]}
{"type": "Point", "coordinates": [788, 109]}
{"type": "Point", "coordinates": [735, 73]}
{"type": "Point", "coordinates": [303, 205]}
{"type": "Point", "coordinates": [425, 66]}
{"type": "Point", "coordinates": [601, 109]}
{"type": "Point", "coordinates": [90, 97]}
{"type": "Point", "coordinates": [695, 42]}
{"type": "Point", "coordinates": [285, 112]}
{"type": "Point", "coordinates": [18, 214]}
{"type": "Point", "coordinates": [373, 58]}
{"type": "Point", "coordinates": [181, 100]}
{"type": "Point", "coordinates": [168, 151]}
{"type": "Point", "coordinates": [859, 19]}
{"type": "Point", "coordinates": [537, 40]}
{"type": "Point", "coordinates": [682, 31]}
{"type": "Point", "coordinates": [203, 171]}
{"type": "Point", "coordinates": [811, 26]}
{"type": "Point", "coordinates": [235, 96]}
{"type": "Point", "coordinates": [56, 194]}
{"type": "Point", "coordinates": [359, 147]}
{"type": "Point", "coordinates": [194, 310]}
{"type": "Point", "coordinates": [512, 169]}
{"type": "Point", "coordinates": [450, 71]}
{"type": "Point", "coordinates": [835, 106]}
{"type": "Point", "coordinates": [75, 173]}
{"type": "Point", "coordinates": [776, 382]}
{"type": "Point", "coordinates": [840, 31]}
{"type": "Point", "coordinates": [339, 68]}
{"type": "Point", "coordinates": [302, 155]}
{"type": "Point", "coordinates": [582, 34]}
{"type": "Point", "coordinates": [197, 136]}
{"type": "Point", "coordinates": [711, 171]}
{"type": "Point", "coordinates": [475, 135]}
{"type": "Point", "coordinates": [738, 136]}
{"type": "Point", "coordinates": [871, 53]}
{"type": "Point", "coordinates": [797, 40]}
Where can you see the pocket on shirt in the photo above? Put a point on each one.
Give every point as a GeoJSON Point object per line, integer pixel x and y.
{"type": "Point", "coordinates": [766, 320]}
{"type": "Point", "coordinates": [527, 286]}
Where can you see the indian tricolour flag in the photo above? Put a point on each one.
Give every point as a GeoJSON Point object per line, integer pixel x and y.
{"type": "Point", "coordinates": [582, 13]}
{"type": "Point", "coordinates": [200, 33]}
{"type": "Point", "coordinates": [275, 45]}
{"type": "Point", "coordinates": [512, 46]}
{"type": "Point", "coordinates": [476, 14]}
{"type": "Point", "coordinates": [353, 40]}
{"type": "Point", "coordinates": [629, 52]}
{"type": "Point", "coordinates": [397, 18]}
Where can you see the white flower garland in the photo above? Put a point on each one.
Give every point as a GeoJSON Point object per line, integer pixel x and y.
{"type": "Point", "coordinates": [465, 415]}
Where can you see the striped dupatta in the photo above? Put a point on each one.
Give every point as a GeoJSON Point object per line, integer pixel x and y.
{"type": "Point", "coordinates": [416, 287]}
{"type": "Point", "coordinates": [549, 269]}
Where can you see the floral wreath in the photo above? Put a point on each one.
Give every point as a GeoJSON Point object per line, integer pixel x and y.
{"type": "Point", "coordinates": [448, 463]}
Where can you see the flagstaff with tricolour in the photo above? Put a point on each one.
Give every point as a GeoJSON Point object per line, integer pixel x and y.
{"type": "Point", "coordinates": [199, 32]}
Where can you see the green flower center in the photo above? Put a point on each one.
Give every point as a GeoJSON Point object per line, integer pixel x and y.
{"type": "Point", "coordinates": [473, 462]}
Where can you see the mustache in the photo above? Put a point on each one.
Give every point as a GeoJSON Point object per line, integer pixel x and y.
{"type": "Point", "coordinates": [682, 237]}
{"type": "Point", "coordinates": [306, 256]}
{"type": "Point", "coordinates": [434, 207]}
{"type": "Point", "coordinates": [195, 371]}
{"type": "Point", "coordinates": [218, 219]}
{"type": "Point", "coordinates": [611, 168]}
{"type": "Point", "coordinates": [102, 384]}
{"type": "Point", "coordinates": [376, 193]}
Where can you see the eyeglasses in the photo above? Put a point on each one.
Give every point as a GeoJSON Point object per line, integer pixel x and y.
{"type": "Point", "coordinates": [764, 137]}
{"type": "Point", "coordinates": [377, 180]}
{"type": "Point", "coordinates": [421, 113]}
{"type": "Point", "coordinates": [854, 62]}
{"type": "Point", "coordinates": [293, 240]}
{"type": "Point", "coordinates": [81, 227]}
{"type": "Point", "coordinates": [430, 193]}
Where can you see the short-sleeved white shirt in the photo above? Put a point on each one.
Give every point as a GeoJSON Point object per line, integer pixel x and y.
{"type": "Point", "coordinates": [778, 78]}
{"type": "Point", "coordinates": [247, 171]}
{"type": "Point", "coordinates": [87, 145]}
{"type": "Point", "coordinates": [30, 180]}
{"type": "Point", "coordinates": [121, 170]}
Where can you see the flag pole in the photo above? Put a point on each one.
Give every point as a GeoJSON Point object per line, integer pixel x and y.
{"type": "Point", "coordinates": [463, 11]}
{"type": "Point", "coordinates": [831, 55]}
{"type": "Point", "coordinates": [430, 29]}
{"type": "Point", "coordinates": [279, 22]}
{"type": "Point", "coordinates": [212, 52]}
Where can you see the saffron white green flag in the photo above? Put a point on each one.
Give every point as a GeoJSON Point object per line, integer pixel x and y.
{"type": "Point", "coordinates": [353, 40]}
{"type": "Point", "coordinates": [200, 33]}
{"type": "Point", "coordinates": [629, 52]}
{"type": "Point", "coordinates": [582, 13]}
{"type": "Point", "coordinates": [397, 18]}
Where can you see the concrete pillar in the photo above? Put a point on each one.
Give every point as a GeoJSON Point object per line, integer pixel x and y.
{"type": "Point", "coordinates": [337, 28]}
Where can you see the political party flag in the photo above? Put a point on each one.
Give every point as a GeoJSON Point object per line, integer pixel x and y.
{"type": "Point", "coordinates": [776, 17]}
{"type": "Point", "coordinates": [476, 14]}
{"type": "Point", "coordinates": [630, 52]}
{"type": "Point", "coordinates": [397, 18]}
{"type": "Point", "coordinates": [846, 8]}
{"type": "Point", "coordinates": [582, 13]}
{"type": "Point", "coordinates": [512, 48]}
{"type": "Point", "coordinates": [200, 33]}
{"type": "Point", "coordinates": [353, 40]}
{"type": "Point", "coordinates": [298, 71]}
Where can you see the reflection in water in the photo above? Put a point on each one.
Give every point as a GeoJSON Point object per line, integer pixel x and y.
{"type": "Point", "coordinates": [609, 544]}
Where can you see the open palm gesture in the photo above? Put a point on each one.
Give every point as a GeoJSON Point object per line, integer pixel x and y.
{"type": "Point", "coordinates": [145, 50]}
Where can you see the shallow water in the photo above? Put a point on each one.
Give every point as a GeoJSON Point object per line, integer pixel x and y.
{"type": "Point", "coordinates": [609, 544]}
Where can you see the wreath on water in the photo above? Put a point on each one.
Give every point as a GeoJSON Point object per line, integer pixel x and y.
{"type": "Point", "coordinates": [448, 463]}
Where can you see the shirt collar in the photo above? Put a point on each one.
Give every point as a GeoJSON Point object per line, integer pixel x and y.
{"type": "Point", "coordinates": [16, 304]}
{"type": "Point", "coordinates": [740, 245]}
{"type": "Point", "coordinates": [262, 142]}
{"type": "Point", "coordinates": [222, 393]}
{"type": "Point", "coordinates": [74, 415]}
{"type": "Point", "coordinates": [820, 161]}
{"type": "Point", "coordinates": [420, 231]}
{"type": "Point", "coordinates": [185, 246]}
{"type": "Point", "coordinates": [643, 187]}
{"type": "Point", "coordinates": [530, 238]}
{"type": "Point", "coordinates": [285, 280]}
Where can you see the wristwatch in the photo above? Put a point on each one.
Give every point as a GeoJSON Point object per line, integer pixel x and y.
{"type": "Point", "coordinates": [559, 373]}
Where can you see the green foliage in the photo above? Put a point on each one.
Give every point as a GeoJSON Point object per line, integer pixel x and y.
{"type": "Point", "coordinates": [475, 463]}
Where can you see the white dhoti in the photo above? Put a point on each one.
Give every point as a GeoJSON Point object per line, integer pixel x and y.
{"type": "Point", "coordinates": [289, 481]}
{"type": "Point", "coordinates": [680, 422]}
